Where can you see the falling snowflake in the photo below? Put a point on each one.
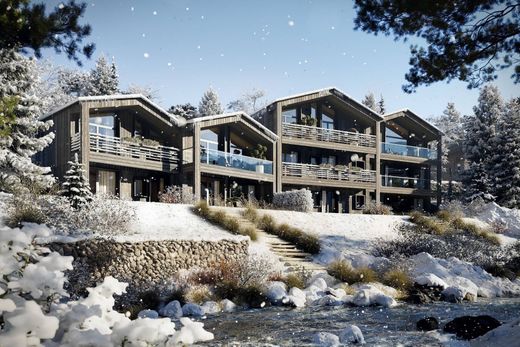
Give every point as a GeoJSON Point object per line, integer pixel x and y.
{"type": "Point", "coordinates": [146, 55]}
{"type": "Point", "coordinates": [291, 23]}
{"type": "Point", "coordinates": [221, 54]}
{"type": "Point", "coordinates": [332, 28]}
{"type": "Point", "coordinates": [132, 8]}
{"type": "Point", "coordinates": [61, 6]}
{"type": "Point", "coordinates": [200, 59]}
{"type": "Point", "coordinates": [187, 8]}
{"type": "Point", "coordinates": [198, 47]}
{"type": "Point", "coordinates": [169, 64]}
{"type": "Point", "coordinates": [155, 13]}
{"type": "Point", "coordinates": [143, 35]}
{"type": "Point", "coordinates": [202, 17]}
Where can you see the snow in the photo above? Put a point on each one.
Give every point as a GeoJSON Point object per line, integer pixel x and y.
{"type": "Point", "coordinates": [324, 339]}
{"type": "Point", "coordinates": [369, 295]}
{"type": "Point", "coordinates": [276, 291]}
{"type": "Point", "coordinates": [351, 334]}
{"type": "Point", "coordinates": [507, 334]}
{"type": "Point", "coordinates": [342, 236]}
{"type": "Point", "coordinates": [158, 221]}
{"type": "Point", "coordinates": [469, 278]}
{"type": "Point", "coordinates": [295, 298]}
{"type": "Point", "coordinates": [492, 212]}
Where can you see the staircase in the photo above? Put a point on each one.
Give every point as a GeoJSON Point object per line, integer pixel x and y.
{"type": "Point", "coordinates": [290, 256]}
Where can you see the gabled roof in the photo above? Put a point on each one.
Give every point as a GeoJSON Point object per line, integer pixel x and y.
{"type": "Point", "coordinates": [239, 114]}
{"type": "Point", "coordinates": [405, 112]}
{"type": "Point", "coordinates": [177, 120]}
{"type": "Point", "coordinates": [336, 92]}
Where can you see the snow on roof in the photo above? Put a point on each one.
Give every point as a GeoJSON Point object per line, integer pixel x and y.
{"type": "Point", "coordinates": [407, 110]}
{"type": "Point", "coordinates": [231, 114]}
{"type": "Point", "coordinates": [328, 89]}
{"type": "Point", "coordinates": [179, 121]}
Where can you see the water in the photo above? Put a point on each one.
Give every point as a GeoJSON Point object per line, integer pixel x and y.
{"type": "Point", "coordinates": [380, 326]}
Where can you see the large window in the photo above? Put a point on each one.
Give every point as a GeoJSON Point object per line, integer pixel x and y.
{"type": "Point", "coordinates": [291, 157]}
{"type": "Point", "coordinates": [392, 137]}
{"type": "Point", "coordinates": [209, 139]}
{"type": "Point", "coordinates": [327, 121]}
{"type": "Point", "coordinates": [106, 182]}
{"type": "Point", "coordinates": [289, 116]}
{"type": "Point", "coordinates": [103, 125]}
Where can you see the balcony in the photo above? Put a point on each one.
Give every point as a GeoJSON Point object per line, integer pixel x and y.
{"type": "Point", "coordinates": [111, 150]}
{"type": "Point", "coordinates": [310, 133]}
{"type": "Point", "coordinates": [235, 161]}
{"type": "Point", "coordinates": [408, 151]}
{"type": "Point", "coordinates": [407, 182]}
{"type": "Point", "coordinates": [335, 173]}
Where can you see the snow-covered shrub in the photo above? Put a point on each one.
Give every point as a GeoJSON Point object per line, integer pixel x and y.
{"type": "Point", "coordinates": [294, 200]}
{"type": "Point", "coordinates": [397, 278]}
{"type": "Point", "coordinates": [177, 195]}
{"type": "Point", "coordinates": [377, 208]}
{"type": "Point", "coordinates": [21, 208]}
{"type": "Point", "coordinates": [75, 186]}
{"type": "Point", "coordinates": [344, 272]}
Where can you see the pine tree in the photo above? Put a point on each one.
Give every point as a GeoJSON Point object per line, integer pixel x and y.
{"type": "Point", "coordinates": [381, 105]}
{"type": "Point", "coordinates": [188, 111]}
{"type": "Point", "coordinates": [370, 101]}
{"type": "Point", "coordinates": [75, 186]}
{"type": "Point", "coordinates": [479, 146]}
{"type": "Point", "coordinates": [104, 79]}
{"type": "Point", "coordinates": [24, 138]}
{"type": "Point", "coordinates": [507, 157]}
{"type": "Point", "coordinates": [209, 104]}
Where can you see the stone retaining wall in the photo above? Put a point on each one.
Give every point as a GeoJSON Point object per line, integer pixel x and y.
{"type": "Point", "coordinates": [142, 263]}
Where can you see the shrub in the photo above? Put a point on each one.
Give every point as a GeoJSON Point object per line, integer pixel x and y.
{"type": "Point", "coordinates": [428, 224]}
{"type": "Point", "coordinates": [472, 228]}
{"type": "Point", "coordinates": [267, 224]}
{"type": "Point", "coordinates": [294, 200]}
{"type": "Point", "coordinates": [21, 208]}
{"type": "Point", "coordinates": [344, 272]}
{"type": "Point", "coordinates": [398, 279]}
{"type": "Point", "coordinates": [377, 208]}
{"type": "Point", "coordinates": [197, 294]}
{"type": "Point", "coordinates": [249, 231]}
{"type": "Point", "coordinates": [445, 215]}
{"type": "Point", "coordinates": [202, 209]}
{"type": "Point", "coordinates": [251, 213]}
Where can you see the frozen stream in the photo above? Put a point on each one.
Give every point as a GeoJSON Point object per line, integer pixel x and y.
{"type": "Point", "coordinates": [380, 326]}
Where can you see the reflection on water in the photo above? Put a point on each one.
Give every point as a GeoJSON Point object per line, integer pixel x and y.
{"type": "Point", "coordinates": [380, 326]}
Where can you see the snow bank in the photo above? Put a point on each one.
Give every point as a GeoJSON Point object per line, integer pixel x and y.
{"type": "Point", "coordinates": [369, 295]}
{"type": "Point", "coordinates": [493, 212]}
{"type": "Point", "coordinates": [452, 272]}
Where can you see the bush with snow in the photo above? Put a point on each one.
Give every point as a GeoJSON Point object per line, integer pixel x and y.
{"type": "Point", "coordinates": [294, 200]}
{"type": "Point", "coordinates": [177, 195]}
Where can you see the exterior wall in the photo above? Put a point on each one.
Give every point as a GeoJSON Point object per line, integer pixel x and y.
{"type": "Point", "coordinates": [143, 263]}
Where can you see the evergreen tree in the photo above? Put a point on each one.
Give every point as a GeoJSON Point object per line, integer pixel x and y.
{"type": "Point", "coordinates": [188, 111]}
{"type": "Point", "coordinates": [381, 109]}
{"type": "Point", "coordinates": [104, 79]}
{"type": "Point", "coordinates": [370, 101]}
{"type": "Point", "coordinates": [209, 104]}
{"type": "Point", "coordinates": [24, 138]}
{"type": "Point", "coordinates": [507, 157]}
{"type": "Point", "coordinates": [75, 186]}
{"type": "Point", "coordinates": [479, 146]}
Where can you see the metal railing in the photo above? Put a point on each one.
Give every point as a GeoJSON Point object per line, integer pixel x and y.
{"type": "Point", "coordinates": [328, 135]}
{"type": "Point", "coordinates": [75, 142]}
{"type": "Point", "coordinates": [235, 161]}
{"type": "Point", "coordinates": [114, 146]}
{"type": "Point", "coordinates": [409, 151]}
{"type": "Point", "coordinates": [406, 182]}
{"type": "Point", "coordinates": [335, 173]}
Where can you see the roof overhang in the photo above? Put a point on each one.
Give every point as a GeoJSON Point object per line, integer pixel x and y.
{"type": "Point", "coordinates": [415, 119]}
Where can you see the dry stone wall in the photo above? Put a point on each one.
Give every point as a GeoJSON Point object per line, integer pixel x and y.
{"type": "Point", "coordinates": [143, 263]}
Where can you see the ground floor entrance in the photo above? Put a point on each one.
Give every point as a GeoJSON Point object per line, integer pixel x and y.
{"type": "Point", "coordinates": [406, 203]}
{"type": "Point", "coordinates": [221, 190]}
{"type": "Point", "coordinates": [128, 183]}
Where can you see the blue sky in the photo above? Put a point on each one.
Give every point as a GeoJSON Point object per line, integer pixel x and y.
{"type": "Point", "coordinates": [180, 48]}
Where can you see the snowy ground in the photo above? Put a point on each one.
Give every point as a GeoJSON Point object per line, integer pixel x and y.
{"type": "Point", "coordinates": [349, 236]}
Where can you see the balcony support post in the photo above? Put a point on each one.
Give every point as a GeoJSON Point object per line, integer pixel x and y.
{"type": "Point", "coordinates": [277, 160]}
{"type": "Point", "coordinates": [84, 139]}
{"type": "Point", "coordinates": [439, 172]}
{"type": "Point", "coordinates": [378, 162]}
{"type": "Point", "coordinates": [196, 160]}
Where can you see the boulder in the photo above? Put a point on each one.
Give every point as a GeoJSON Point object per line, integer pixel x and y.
{"type": "Point", "coordinates": [210, 307]}
{"type": "Point", "coordinates": [453, 294]}
{"type": "Point", "coordinates": [148, 314]}
{"type": "Point", "coordinates": [422, 294]}
{"type": "Point", "coordinates": [172, 310]}
{"type": "Point", "coordinates": [368, 295]}
{"type": "Point", "coordinates": [320, 283]}
{"type": "Point", "coordinates": [328, 300]}
{"type": "Point", "coordinates": [276, 291]}
{"type": "Point", "coordinates": [351, 334]}
{"type": "Point", "coordinates": [427, 324]}
{"type": "Point", "coordinates": [323, 339]}
{"type": "Point", "coordinates": [191, 309]}
{"type": "Point", "coordinates": [470, 327]}
{"type": "Point", "coordinates": [227, 305]}
{"type": "Point", "coordinates": [295, 298]}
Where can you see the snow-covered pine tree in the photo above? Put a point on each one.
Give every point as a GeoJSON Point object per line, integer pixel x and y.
{"type": "Point", "coordinates": [507, 156]}
{"type": "Point", "coordinates": [450, 123]}
{"type": "Point", "coordinates": [209, 104]}
{"type": "Point", "coordinates": [75, 186]}
{"type": "Point", "coordinates": [188, 111]}
{"type": "Point", "coordinates": [479, 146]}
{"type": "Point", "coordinates": [104, 79]}
{"type": "Point", "coordinates": [381, 109]}
{"type": "Point", "coordinates": [27, 135]}
{"type": "Point", "coordinates": [370, 101]}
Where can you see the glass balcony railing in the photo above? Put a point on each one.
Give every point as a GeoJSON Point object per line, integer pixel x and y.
{"type": "Point", "coordinates": [409, 151]}
{"type": "Point", "coordinates": [407, 182]}
{"type": "Point", "coordinates": [235, 161]}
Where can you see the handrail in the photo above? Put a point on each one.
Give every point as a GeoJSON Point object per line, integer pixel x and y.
{"type": "Point", "coordinates": [328, 135]}
{"type": "Point", "coordinates": [405, 182]}
{"type": "Point", "coordinates": [406, 150]}
{"type": "Point", "coordinates": [235, 161]}
{"type": "Point", "coordinates": [328, 173]}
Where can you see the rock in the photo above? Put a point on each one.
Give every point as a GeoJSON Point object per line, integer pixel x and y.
{"type": "Point", "coordinates": [210, 307]}
{"type": "Point", "coordinates": [338, 293]}
{"type": "Point", "coordinates": [295, 298]}
{"type": "Point", "coordinates": [470, 327]}
{"type": "Point", "coordinates": [330, 280]}
{"type": "Point", "coordinates": [470, 297]}
{"type": "Point", "coordinates": [421, 294]}
{"type": "Point", "coordinates": [351, 334]}
{"type": "Point", "coordinates": [148, 314]}
{"type": "Point", "coordinates": [427, 324]}
{"type": "Point", "coordinates": [320, 283]}
{"type": "Point", "coordinates": [328, 300]}
{"type": "Point", "coordinates": [276, 291]}
{"type": "Point", "coordinates": [368, 295]}
{"type": "Point", "coordinates": [453, 294]}
{"type": "Point", "coordinates": [313, 293]}
{"type": "Point", "coordinates": [326, 340]}
{"type": "Point", "coordinates": [508, 334]}
{"type": "Point", "coordinates": [172, 310]}
{"type": "Point", "coordinates": [191, 309]}
{"type": "Point", "coordinates": [227, 305]}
